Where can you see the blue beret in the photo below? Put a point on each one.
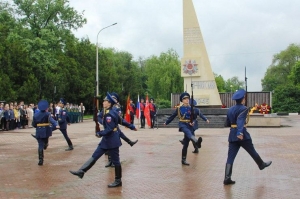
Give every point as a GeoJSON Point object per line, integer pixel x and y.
{"type": "Point", "coordinates": [110, 99]}
{"type": "Point", "coordinates": [43, 105]}
{"type": "Point", "coordinates": [115, 95]}
{"type": "Point", "coordinates": [184, 95]}
{"type": "Point", "coordinates": [61, 100]}
{"type": "Point", "coordinates": [238, 95]}
{"type": "Point", "coordinates": [195, 103]}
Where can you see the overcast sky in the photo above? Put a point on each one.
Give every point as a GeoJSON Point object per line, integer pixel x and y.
{"type": "Point", "coordinates": [237, 33]}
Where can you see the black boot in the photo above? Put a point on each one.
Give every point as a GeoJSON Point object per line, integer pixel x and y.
{"type": "Point", "coordinates": [131, 143]}
{"type": "Point", "coordinates": [183, 157]}
{"type": "Point", "coordinates": [118, 176]}
{"type": "Point", "coordinates": [70, 148]}
{"type": "Point", "coordinates": [181, 141]}
{"type": "Point", "coordinates": [33, 136]}
{"type": "Point", "coordinates": [228, 172]}
{"type": "Point", "coordinates": [196, 142]}
{"type": "Point", "coordinates": [109, 163]}
{"type": "Point", "coordinates": [261, 164]}
{"type": "Point", "coordinates": [41, 157]}
{"type": "Point", "coordinates": [196, 148]}
{"type": "Point", "coordinates": [84, 168]}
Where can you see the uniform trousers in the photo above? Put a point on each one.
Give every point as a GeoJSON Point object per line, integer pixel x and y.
{"type": "Point", "coordinates": [42, 142]}
{"type": "Point", "coordinates": [235, 146]}
{"type": "Point", "coordinates": [114, 153]}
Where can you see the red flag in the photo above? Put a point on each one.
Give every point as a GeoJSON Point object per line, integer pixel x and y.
{"type": "Point", "coordinates": [127, 114]}
{"type": "Point", "coordinates": [147, 112]}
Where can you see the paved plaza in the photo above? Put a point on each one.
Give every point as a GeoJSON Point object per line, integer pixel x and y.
{"type": "Point", "coordinates": [151, 168]}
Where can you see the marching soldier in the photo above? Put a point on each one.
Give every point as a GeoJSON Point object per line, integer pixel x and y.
{"type": "Point", "coordinates": [237, 118]}
{"type": "Point", "coordinates": [197, 113]}
{"type": "Point", "coordinates": [184, 114]}
{"type": "Point", "coordinates": [63, 121]}
{"type": "Point", "coordinates": [116, 107]}
{"type": "Point", "coordinates": [42, 121]}
{"type": "Point", "coordinates": [110, 142]}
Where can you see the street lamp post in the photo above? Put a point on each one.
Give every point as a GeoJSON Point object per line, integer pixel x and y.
{"type": "Point", "coordinates": [97, 76]}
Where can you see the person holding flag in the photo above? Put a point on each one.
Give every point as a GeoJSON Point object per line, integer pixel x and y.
{"type": "Point", "coordinates": [147, 112]}
{"type": "Point", "coordinates": [142, 110]}
{"type": "Point", "coordinates": [152, 109]}
{"type": "Point", "coordinates": [138, 110]}
{"type": "Point", "coordinates": [132, 111]}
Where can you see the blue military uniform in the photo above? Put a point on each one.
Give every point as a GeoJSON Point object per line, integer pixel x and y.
{"type": "Point", "coordinates": [110, 142]}
{"type": "Point", "coordinates": [184, 114]}
{"type": "Point", "coordinates": [237, 118]}
{"type": "Point", "coordinates": [44, 123]}
{"type": "Point", "coordinates": [123, 122]}
{"type": "Point", "coordinates": [63, 120]}
{"type": "Point", "coordinates": [197, 113]}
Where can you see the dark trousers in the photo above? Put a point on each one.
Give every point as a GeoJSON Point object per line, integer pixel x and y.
{"type": "Point", "coordinates": [142, 119]}
{"type": "Point", "coordinates": [131, 118]}
{"type": "Point", "coordinates": [234, 147]}
{"type": "Point", "coordinates": [65, 134]}
{"type": "Point", "coordinates": [114, 153]}
{"type": "Point", "coordinates": [152, 118]}
{"type": "Point", "coordinates": [42, 142]}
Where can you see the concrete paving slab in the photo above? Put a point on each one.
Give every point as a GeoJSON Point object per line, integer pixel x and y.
{"type": "Point", "coordinates": [151, 168]}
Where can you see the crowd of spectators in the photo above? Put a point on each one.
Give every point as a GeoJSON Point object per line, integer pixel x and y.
{"type": "Point", "coordinates": [19, 115]}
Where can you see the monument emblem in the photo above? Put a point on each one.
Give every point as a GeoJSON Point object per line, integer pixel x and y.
{"type": "Point", "coordinates": [190, 67]}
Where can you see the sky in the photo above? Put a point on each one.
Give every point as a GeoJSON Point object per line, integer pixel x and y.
{"type": "Point", "coordinates": [237, 33]}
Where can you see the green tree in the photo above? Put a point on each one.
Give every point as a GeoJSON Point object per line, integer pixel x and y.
{"type": "Point", "coordinates": [233, 84]}
{"type": "Point", "coordinates": [282, 64]}
{"type": "Point", "coordinates": [163, 75]}
{"type": "Point", "coordinates": [220, 82]}
{"type": "Point", "coordinates": [286, 98]}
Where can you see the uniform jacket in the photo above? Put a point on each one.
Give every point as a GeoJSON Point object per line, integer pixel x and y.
{"type": "Point", "coordinates": [237, 115]}
{"type": "Point", "coordinates": [110, 134]}
{"type": "Point", "coordinates": [197, 113]}
{"type": "Point", "coordinates": [121, 120]}
{"type": "Point", "coordinates": [152, 109]}
{"type": "Point", "coordinates": [43, 117]}
{"type": "Point", "coordinates": [63, 119]}
{"type": "Point", "coordinates": [184, 115]}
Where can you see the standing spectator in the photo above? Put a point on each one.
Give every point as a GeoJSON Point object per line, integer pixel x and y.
{"type": "Point", "coordinates": [152, 109]}
{"type": "Point", "coordinates": [6, 115]}
{"type": "Point", "coordinates": [23, 115]}
{"type": "Point", "coordinates": [30, 115]}
{"type": "Point", "coordinates": [57, 108]}
{"type": "Point", "coordinates": [81, 111]}
{"type": "Point", "coordinates": [132, 111]}
{"type": "Point", "coordinates": [12, 119]}
{"type": "Point", "coordinates": [142, 108]}
{"type": "Point", "coordinates": [2, 116]}
{"type": "Point", "coordinates": [17, 117]}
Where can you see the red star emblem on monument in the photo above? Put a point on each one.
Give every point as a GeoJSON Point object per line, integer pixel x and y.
{"type": "Point", "coordinates": [190, 67]}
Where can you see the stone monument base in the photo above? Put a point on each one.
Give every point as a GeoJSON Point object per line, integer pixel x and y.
{"type": "Point", "coordinates": [217, 118]}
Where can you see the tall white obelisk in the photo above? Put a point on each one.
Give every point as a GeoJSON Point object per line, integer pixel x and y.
{"type": "Point", "coordinates": [195, 66]}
